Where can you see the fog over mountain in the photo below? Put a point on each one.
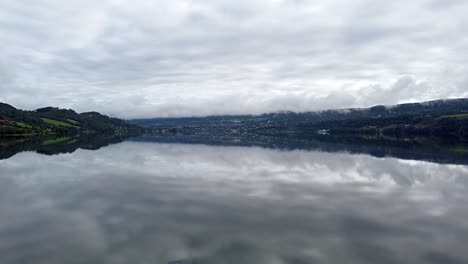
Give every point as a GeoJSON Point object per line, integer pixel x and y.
{"type": "Point", "coordinates": [165, 58]}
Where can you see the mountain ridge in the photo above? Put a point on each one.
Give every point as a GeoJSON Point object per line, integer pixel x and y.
{"type": "Point", "coordinates": [57, 121]}
{"type": "Point", "coordinates": [440, 106]}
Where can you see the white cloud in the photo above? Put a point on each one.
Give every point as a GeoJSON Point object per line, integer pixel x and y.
{"type": "Point", "coordinates": [166, 58]}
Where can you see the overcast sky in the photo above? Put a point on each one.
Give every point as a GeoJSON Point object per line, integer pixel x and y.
{"type": "Point", "coordinates": [141, 58]}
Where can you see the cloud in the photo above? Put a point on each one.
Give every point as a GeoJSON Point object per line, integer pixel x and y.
{"type": "Point", "coordinates": [229, 205]}
{"type": "Point", "coordinates": [161, 58]}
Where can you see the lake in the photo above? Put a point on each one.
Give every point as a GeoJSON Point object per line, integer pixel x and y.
{"type": "Point", "coordinates": [147, 202]}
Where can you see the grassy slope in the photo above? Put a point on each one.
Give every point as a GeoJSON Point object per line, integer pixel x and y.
{"type": "Point", "coordinates": [58, 123]}
{"type": "Point", "coordinates": [56, 140]}
{"type": "Point", "coordinates": [458, 116]}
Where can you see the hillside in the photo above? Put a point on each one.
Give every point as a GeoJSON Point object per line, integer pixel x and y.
{"type": "Point", "coordinates": [433, 118]}
{"type": "Point", "coordinates": [56, 121]}
{"type": "Point", "coordinates": [440, 125]}
{"type": "Point", "coordinates": [436, 107]}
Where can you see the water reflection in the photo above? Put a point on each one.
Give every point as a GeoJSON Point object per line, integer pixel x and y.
{"type": "Point", "coordinates": [434, 149]}
{"type": "Point", "coordinates": [169, 203]}
{"type": "Point", "coordinates": [11, 146]}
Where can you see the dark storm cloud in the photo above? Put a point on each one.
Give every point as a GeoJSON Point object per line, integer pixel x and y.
{"type": "Point", "coordinates": [166, 58]}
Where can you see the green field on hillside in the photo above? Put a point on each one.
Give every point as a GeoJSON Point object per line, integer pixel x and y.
{"type": "Point", "coordinates": [55, 141]}
{"type": "Point", "coordinates": [458, 116]}
{"type": "Point", "coordinates": [58, 123]}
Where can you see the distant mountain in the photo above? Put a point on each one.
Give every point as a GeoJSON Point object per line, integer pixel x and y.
{"type": "Point", "coordinates": [56, 121]}
{"type": "Point", "coordinates": [441, 118]}
{"type": "Point", "coordinates": [437, 107]}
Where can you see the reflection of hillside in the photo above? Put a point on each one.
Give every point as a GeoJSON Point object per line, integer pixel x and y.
{"type": "Point", "coordinates": [447, 151]}
{"type": "Point", "coordinates": [52, 146]}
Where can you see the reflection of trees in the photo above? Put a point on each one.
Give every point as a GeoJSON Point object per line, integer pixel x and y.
{"type": "Point", "coordinates": [439, 150]}
{"type": "Point", "coordinates": [52, 146]}
{"type": "Point", "coordinates": [427, 149]}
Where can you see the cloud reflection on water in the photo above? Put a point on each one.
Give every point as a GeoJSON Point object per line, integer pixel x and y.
{"type": "Point", "coordinates": [155, 203]}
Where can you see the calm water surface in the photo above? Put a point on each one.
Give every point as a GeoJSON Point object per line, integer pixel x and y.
{"type": "Point", "coordinates": [154, 203]}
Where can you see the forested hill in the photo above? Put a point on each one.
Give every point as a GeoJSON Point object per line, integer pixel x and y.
{"type": "Point", "coordinates": [439, 118]}
{"type": "Point", "coordinates": [433, 108]}
{"type": "Point", "coordinates": [56, 121]}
